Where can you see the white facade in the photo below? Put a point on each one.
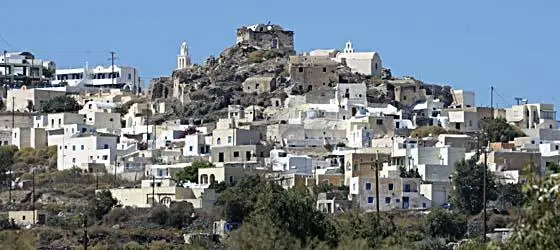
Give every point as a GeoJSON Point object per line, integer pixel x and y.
{"type": "Point", "coordinates": [463, 98]}
{"type": "Point", "coordinates": [280, 161]}
{"type": "Point", "coordinates": [84, 150]}
{"type": "Point", "coordinates": [367, 63]}
{"type": "Point", "coordinates": [23, 66]}
{"type": "Point", "coordinates": [532, 116]}
{"type": "Point", "coordinates": [184, 59]}
{"type": "Point", "coordinates": [126, 78]}
{"type": "Point", "coordinates": [394, 193]}
{"type": "Point", "coordinates": [195, 145]}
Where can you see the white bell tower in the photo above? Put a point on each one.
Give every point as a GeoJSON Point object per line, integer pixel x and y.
{"type": "Point", "coordinates": [184, 59]}
{"type": "Point", "coordinates": [348, 48]}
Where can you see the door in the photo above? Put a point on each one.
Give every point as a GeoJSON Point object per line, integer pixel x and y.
{"type": "Point", "coordinates": [221, 157]}
{"type": "Point", "coordinates": [405, 202]}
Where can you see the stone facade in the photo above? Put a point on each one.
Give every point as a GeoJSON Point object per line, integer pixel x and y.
{"type": "Point", "coordinates": [259, 84]}
{"type": "Point", "coordinates": [313, 72]}
{"type": "Point", "coordinates": [266, 36]}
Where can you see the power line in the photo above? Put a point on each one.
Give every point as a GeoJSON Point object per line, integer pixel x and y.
{"type": "Point", "coordinates": [5, 41]}
{"type": "Point", "coordinates": [502, 98]}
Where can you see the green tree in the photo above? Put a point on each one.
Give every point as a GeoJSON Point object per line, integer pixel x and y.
{"type": "Point", "coordinates": [538, 226]}
{"type": "Point", "coordinates": [261, 234]}
{"type": "Point", "coordinates": [101, 204]}
{"type": "Point", "coordinates": [238, 201]}
{"type": "Point", "coordinates": [509, 195]}
{"type": "Point", "coordinates": [498, 130]}
{"type": "Point", "coordinates": [444, 223]}
{"type": "Point", "coordinates": [293, 210]}
{"type": "Point", "coordinates": [468, 183]}
{"type": "Point", "coordinates": [357, 226]}
{"type": "Point", "coordinates": [190, 173]}
{"type": "Point", "coordinates": [178, 215]}
{"type": "Point", "coordinates": [6, 160]}
{"type": "Point", "coordinates": [63, 103]}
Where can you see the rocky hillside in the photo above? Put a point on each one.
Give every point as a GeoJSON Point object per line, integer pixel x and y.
{"type": "Point", "coordinates": [211, 87]}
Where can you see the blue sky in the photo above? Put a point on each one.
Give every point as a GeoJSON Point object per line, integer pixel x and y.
{"type": "Point", "coordinates": [512, 45]}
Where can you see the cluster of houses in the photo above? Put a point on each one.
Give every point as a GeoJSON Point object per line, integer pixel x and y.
{"type": "Point", "coordinates": [327, 134]}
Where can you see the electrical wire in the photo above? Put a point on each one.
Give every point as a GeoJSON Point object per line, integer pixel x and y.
{"type": "Point", "coordinates": [5, 41]}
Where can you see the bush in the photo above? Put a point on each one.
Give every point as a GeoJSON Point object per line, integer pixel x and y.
{"type": "Point", "coordinates": [59, 104]}
{"type": "Point", "coordinates": [178, 215]}
{"type": "Point", "coordinates": [133, 245]}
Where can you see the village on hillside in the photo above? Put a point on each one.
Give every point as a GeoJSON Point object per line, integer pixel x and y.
{"type": "Point", "coordinates": [332, 120]}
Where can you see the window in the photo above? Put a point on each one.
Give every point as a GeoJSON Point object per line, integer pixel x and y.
{"type": "Point", "coordinates": [236, 154]}
{"type": "Point", "coordinates": [73, 147]}
{"type": "Point", "coordinates": [390, 186]}
{"type": "Point", "coordinates": [555, 146]}
{"type": "Point", "coordinates": [376, 66]}
{"type": "Point", "coordinates": [458, 126]}
{"type": "Point", "coordinates": [379, 122]}
{"type": "Point", "coordinates": [190, 148]}
{"type": "Point", "coordinates": [59, 121]}
{"type": "Point", "coordinates": [231, 179]}
{"type": "Point", "coordinates": [218, 141]}
{"type": "Point", "coordinates": [110, 119]}
{"type": "Point", "coordinates": [129, 76]}
{"type": "Point", "coordinates": [368, 186]}
{"type": "Point", "coordinates": [82, 147]}
{"type": "Point", "coordinates": [221, 157]}
{"type": "Point", "coordinates": [229, 139]}
{"type": "Point", "coordinates": [324, 70]}
{"type": "Point", "coordinates": [397, 200]}
{"type": "Point", "coordinates": [105, 157]}
{"type": "Point", "coordinates": [300, 69]}
{"type": "Point", "coordinates": [106, 146]}
{"type": "Point", "coordinates": [15, 135]}
{"type": "Point", "coordinates": [387, 200]}
{"type": "Point", "coordinates": [369, 199]}
{"type": "Point", "coordinates": [23, 217]}
{"type": "Point", "coordinates": [406, 187]}
{"type": "Point", "coordinates": [73, 160]}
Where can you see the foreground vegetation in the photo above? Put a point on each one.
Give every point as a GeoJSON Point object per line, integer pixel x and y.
{"type": "Point", "coordinates": [270, 216]}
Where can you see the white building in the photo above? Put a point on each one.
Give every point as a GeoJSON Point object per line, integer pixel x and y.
{"type": "Point", "coordinates": [125, 77]}
{"type": "Point", "coordinates": [463, 99]}
{"type": "Point", "coordinates": [394, 193]}
{"type": "Point", "coordinates": [184, 59]}
{"type": "Point", "coordinates": [87, 151]}
{"type": "Point", "coordinates": [367, 63]}
{"type": "Point", "coordinates": [532, 116]}
{"type": "Point", "coordinates": [280, 161]}
{"type": "Point", "coordinates": [29, 100]}
{"type": "Point", "coordinates": [23, 68]}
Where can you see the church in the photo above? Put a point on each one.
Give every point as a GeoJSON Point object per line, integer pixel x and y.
{"type": "Point", "coordinates": [184, 59]}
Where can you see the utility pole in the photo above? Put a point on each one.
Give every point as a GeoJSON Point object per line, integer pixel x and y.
{"type": "Point", "coordinates": [33, 197]}
{"type": "Point", "coordinates": [484, 191]}
{"type": "Point", "coordinates": [492, 100]}
{"type": "Point", "coordinates": [377, 183]}
{"type": "Point", "coordinates": [13, 112]}
{"type": "Point", "coordinates": [85, 233]}
{"type": "Point", "coordinates": [10, 185]}
{"type": "Point", "coordinates": [5, 67]}
{"type": "Point", "coordinates": [96, 178]}
{"type": "Point", "coordinates": [113, 68]}
{"type": "Point", "coordinates": [153, 189]}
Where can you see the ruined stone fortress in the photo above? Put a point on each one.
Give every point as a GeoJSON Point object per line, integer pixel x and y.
{"type": "Point", "coordinates": [266, 36]}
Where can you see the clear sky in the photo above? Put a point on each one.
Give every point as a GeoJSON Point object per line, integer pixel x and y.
{"type": "Point", "coordinates": [513, 45]}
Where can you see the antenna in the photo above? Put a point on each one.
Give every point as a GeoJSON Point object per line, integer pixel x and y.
{"type": "Point", "coordinates": [518, 100]}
